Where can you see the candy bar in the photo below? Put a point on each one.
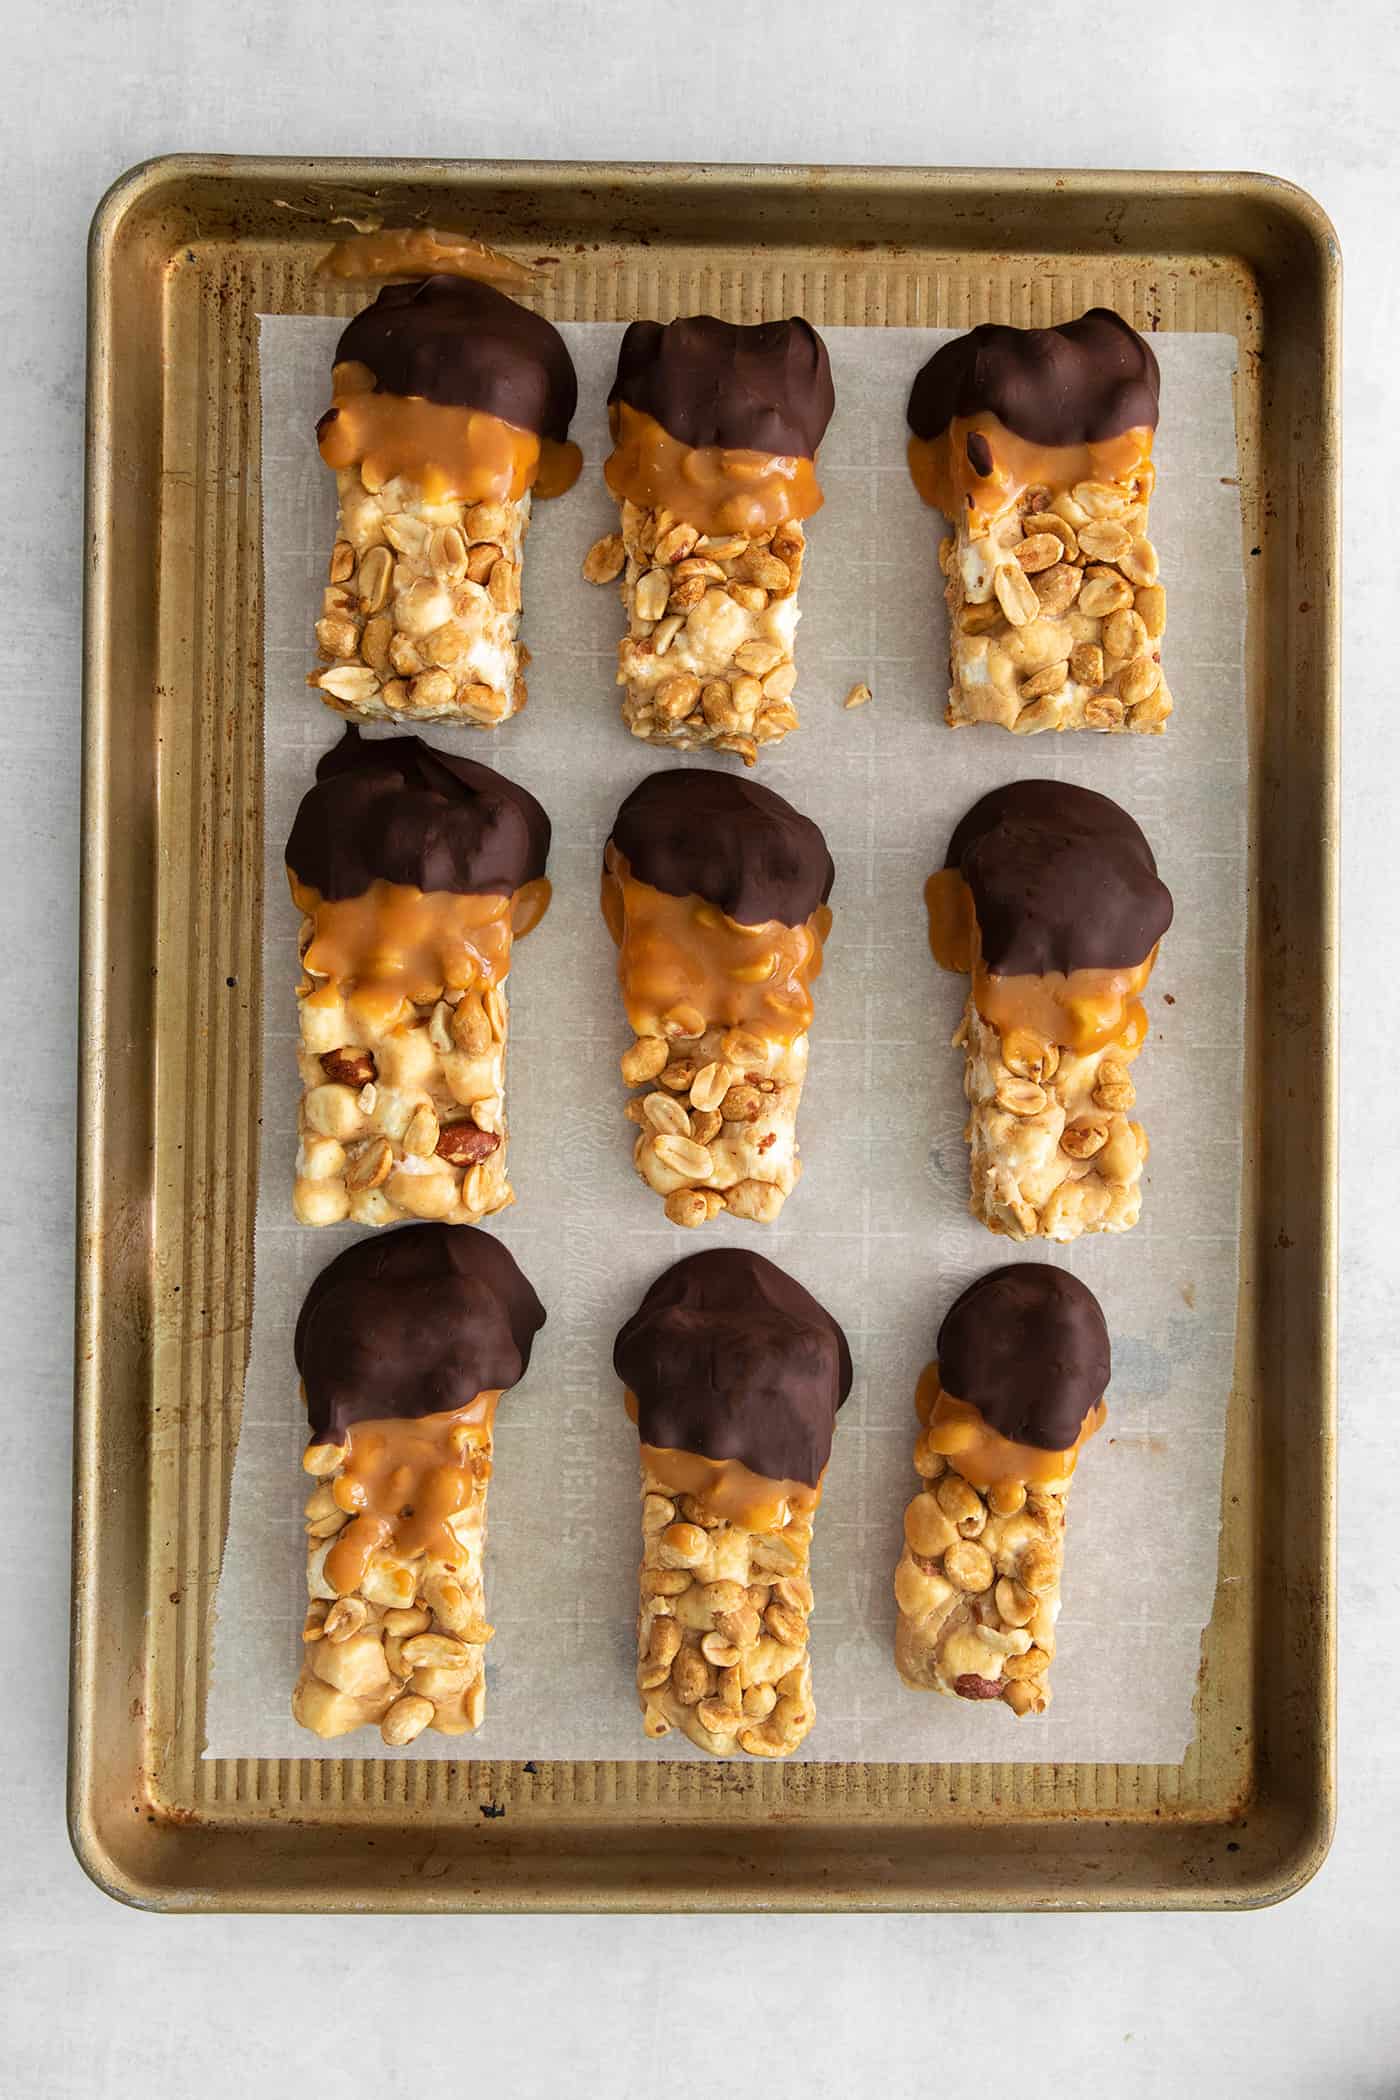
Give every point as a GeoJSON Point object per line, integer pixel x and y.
{"type": "Point", "coordinates": [1036, 445]}
{"type": "Point", "coordinates": [715, 891]}
{"type": "Point", "coordinates": [1014, 1395]}
{"type": "Point", "coordinates": [715, 435]}
{"type": "Point", "coordinates": [1050, 899]}
{"type": "Point", "coordinates": [404, 1345]}
{"type": "Point", "coordinates": [733, 1375]}
{"type": "Point", "coordinates": [416, 872]}
{"type": "Point", "coordinates": [450, 406]}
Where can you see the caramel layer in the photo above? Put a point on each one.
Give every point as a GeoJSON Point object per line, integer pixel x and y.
{"type": "Point", "coordinates": [402, 1482]}
{"type": "Point", "coordinates": [419, 251]}
{"type": "Point", "coordinates": [449, 454]}
{"type": "Point", "coordinates": [726, 1487]}
{"type": "Point", "coordinates": [1084, 1010]}
{"type": "Point", "coordinates": [683, 957]}
{"type": "Point", "coordinates": [947, 479]}
{"type": "Point", "coordinates": [715, 487]}
{"type": "Point", "coordinates": [395, 942]}
{"type": "Point", "coordinates": [980, 1453]}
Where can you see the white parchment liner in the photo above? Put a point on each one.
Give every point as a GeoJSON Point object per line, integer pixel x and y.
{"type": "Point", "coordinates": [878, 1227]}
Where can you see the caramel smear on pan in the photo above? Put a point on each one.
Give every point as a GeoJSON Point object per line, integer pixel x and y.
{"type": "Point", "coordinates": [976, 469]}
{"type": "Point", "coordinates": [395, 942]}
{"type": "Point", "coordinates": [683, 960]}
{"type": "Point", "coordinates": [402, 1481]}
{"type": "Point", "coordinates": [449, 453]}
{"type": "Point", "coordinates": [726, 1487]}
{"type": "Point", "coordinates": [1084, 1010]}
{"type": "Point", "coordinates": [420, 251]}
{"type": "Point", "coordinates": [985, 1458]}
{"type": "Point", "coordinates": [717, 488]}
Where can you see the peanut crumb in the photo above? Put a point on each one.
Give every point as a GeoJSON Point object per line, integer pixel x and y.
{"type": "Point", "coordinates": [857, 696]}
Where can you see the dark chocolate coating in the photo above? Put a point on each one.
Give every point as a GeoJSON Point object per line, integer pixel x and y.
{"type": "Point", "coordinates": [396, 810]}
{"type": "Point", "coordinates": [1089, 379]}
{"type": "Point", "coordinates": [413, 1322]}
{"type": "Point", "coordinates": [466, 345]}
{"type": "Point", "coordinates": [1028, 1348]}
{"type": "Point", "coordinates": [730, 1358]}
{"type": "Point", "coordinates": [1061, 879]}
{"type": "Point", "coordinates": [765, 388]}
{"type": "Point", "coordinates": [693, 832]}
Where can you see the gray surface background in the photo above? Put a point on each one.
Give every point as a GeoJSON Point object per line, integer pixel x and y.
{"type": "Point", "coordinates": [98, 2001]}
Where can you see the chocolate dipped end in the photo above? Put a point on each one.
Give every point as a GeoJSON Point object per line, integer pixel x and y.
{"type": "Point", "coordinates": [463, 344]}
{"type": "Point", "coordinates": [729, 1357]}
{"type": "Point", "coordinates": [416, 1322]}
{"type": "Point", "coordinates": [763, 388]}
{"type": "Point", "coordinates": [1088, 380]}
{"type": "Point", "coordinates": [396, 810]}
{"type": "Point", "coordinates": [693, 832]}
{"type": "Point", "coordinates": [1027, 1346]}
{"type": "Point", "coordinates": [1061, 879]}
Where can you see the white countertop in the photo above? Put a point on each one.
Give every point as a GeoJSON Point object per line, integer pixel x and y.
{"type": "Point", "coordinates": [97, 2001]}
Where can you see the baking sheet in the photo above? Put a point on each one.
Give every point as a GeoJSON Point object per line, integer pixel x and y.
{"type": "Point", "coordinates": [878, 1227]}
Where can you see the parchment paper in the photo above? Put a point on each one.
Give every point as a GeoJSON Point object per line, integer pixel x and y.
{"type": "Point", "coordinates": [878, 1227]}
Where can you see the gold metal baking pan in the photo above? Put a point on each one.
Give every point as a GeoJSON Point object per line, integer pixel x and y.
{"type": "Point", "coordinates": [185, 253]}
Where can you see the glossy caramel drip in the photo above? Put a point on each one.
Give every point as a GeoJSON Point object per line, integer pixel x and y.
{"type": "Point", "coordinates": [945, 477]}
{"type": "Point", "coordinates": [395, 942]}
{"type": "Point", "coordinates": [958, 1431]}
{"type": "Point", "coordinates": [529, 905]}
{"type": "Point", "coordinates": [719, 488]}
{"type": "Point", "coordinates": [402, 1481]}
{"type": "Point", "coordinates": [561, 463]}
{"type": "Point", "coordinates": [952, 923]}
{"type": "Point", "coordinates": [1084, 1010]}
{"type": "Point", "coordinates": [683, 952]}
{"type": "Point", "coordinates": [447, 453]}
{"type": "Point", "coordinates": [420, 251]}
